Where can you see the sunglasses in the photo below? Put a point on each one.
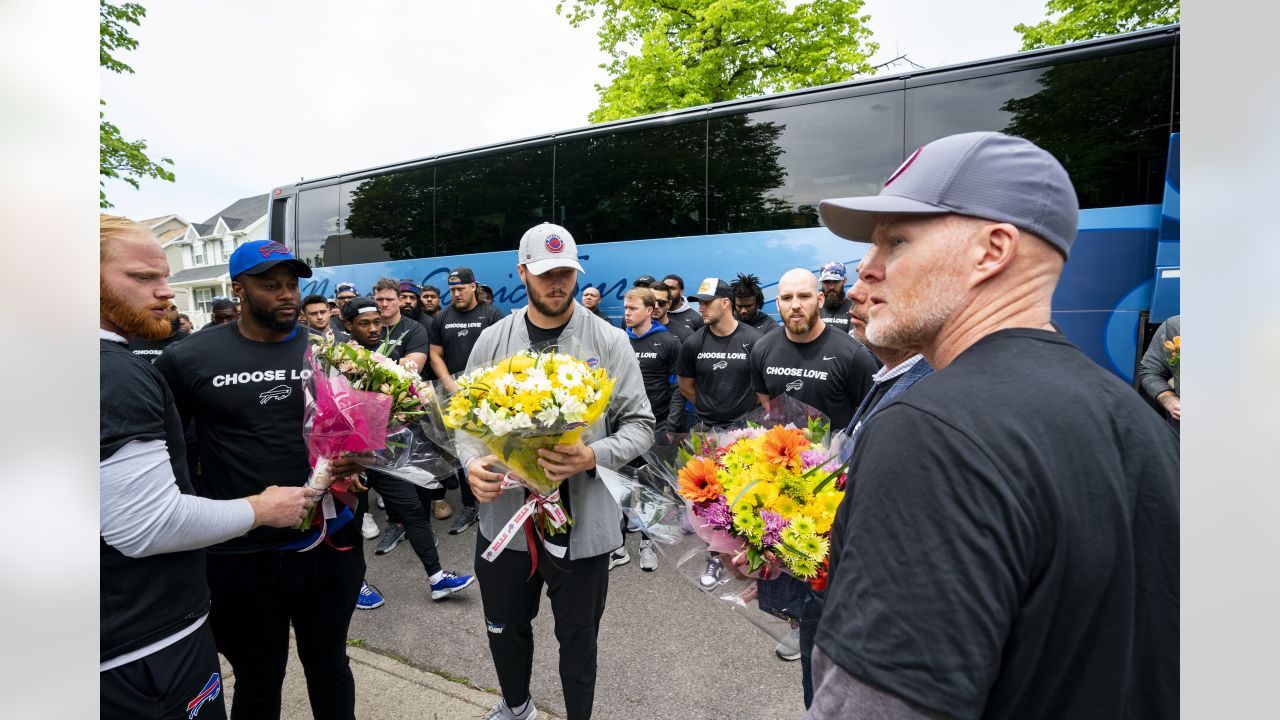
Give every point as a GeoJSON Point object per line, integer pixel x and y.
{"type": "Point", "coordinates": [663, 303]}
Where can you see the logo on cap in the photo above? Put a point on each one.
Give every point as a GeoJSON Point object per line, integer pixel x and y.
{"type": "Point", "coordinates": [454, 279]}
{"type": "Point", "coordinates": [903, 166]}
{"type": "Point", "coordinates": [554, 243]}
{"type": "Point", "coordinates": [705, 287]}
{"type": "Point", "coordinates": [273, 248]}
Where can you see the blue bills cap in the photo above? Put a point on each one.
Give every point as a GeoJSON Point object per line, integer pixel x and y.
{"type": "Point", "coordinates": [259, 256]}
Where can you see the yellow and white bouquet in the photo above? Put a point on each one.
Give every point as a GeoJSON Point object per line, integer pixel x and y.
{"type": "Point", "coordinates": [530, 401]}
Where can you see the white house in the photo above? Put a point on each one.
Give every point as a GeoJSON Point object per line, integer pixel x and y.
{"type": "Point", "coordinates": [198, 255]}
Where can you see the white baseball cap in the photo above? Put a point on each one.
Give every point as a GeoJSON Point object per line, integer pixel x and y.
{"type": "Point", "coordinates": [547, 247]}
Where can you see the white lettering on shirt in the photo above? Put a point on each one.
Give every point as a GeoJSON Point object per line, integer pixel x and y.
{"type": "Point", "coordinates": [260, 376]}
{"type": "Point", "coordinates": [797, 372]}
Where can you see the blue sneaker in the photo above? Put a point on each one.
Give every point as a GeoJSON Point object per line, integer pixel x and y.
{"type": "Point", "coordinates": [369, 597]}
{"type": "Point", "coordinates": [450, 584]}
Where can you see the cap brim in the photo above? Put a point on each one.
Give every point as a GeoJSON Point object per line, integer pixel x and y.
{"type": "Point", "coordinates": [301, 268]}
{"type": "Point", "coordinates": [537, 267]}
{"type": "Point", "coordinates": [704, 298]}
{"type": "Point", "coordinates": [854, 218]}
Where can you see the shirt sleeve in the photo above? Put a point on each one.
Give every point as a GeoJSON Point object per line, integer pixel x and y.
{"type": "Point", "coordinates": [1153, 370]}
{"type": "Point", "coordinates": [932, 562]}
{"type": "Point", "coordinates": [756, 360]}
{"type": "Point", "coordinates": [167, 364]}
{"type": "Point", "coordinates": [132, 405]}
{"type": "Point", "coordinates": [435, 333]}
{"type": "Point", "coordinates": [415, 339]}
{"type": "Point", "coordinates": [142, 512]}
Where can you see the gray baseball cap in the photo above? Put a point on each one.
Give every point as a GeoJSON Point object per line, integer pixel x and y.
{"type": "Point", "coordinates": [546, 247]}
{"type": "Point", "coordinates": [987, 175]}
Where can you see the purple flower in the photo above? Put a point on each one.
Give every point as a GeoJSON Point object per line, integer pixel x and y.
{"type": "Point", "coordinates": [813, 458]}
{"type": "Point", "coordinates": [716, 514]}
{"type": "Point", "coordinates": [774, 524]}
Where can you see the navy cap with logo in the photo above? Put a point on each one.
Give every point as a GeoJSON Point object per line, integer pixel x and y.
{"type": "Point", "coordinates": [259, 256]}
{"type": "Point", "coordinates": [346, 287]}
{"type": "Point", "coordinates": [833, 271]}
{"type": "Point", "coordinates": [711, 288]}
{"type": "Point", "coordinates": [986, 175]}
{"type": "Point", "coordinates": [644, 281]}
{"type": "Point", "coordinates": [355, 306]}
{"type": "Point", "coordinates": [461, 276]}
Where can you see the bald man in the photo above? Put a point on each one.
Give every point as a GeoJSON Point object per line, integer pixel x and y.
{"type": "Point", "coordinates": [157, 651]}
{"type": "Point", "coordinates": [1008, 546]}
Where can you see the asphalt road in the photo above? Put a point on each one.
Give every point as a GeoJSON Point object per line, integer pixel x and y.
{"type": "Point", "coordinates": [667, 651]}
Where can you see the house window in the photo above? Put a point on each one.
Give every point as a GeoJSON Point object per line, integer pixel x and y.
{"type": "Point", "coordinates": [197, 253]}
{"type": "Point", "coordinates": [204, 300]}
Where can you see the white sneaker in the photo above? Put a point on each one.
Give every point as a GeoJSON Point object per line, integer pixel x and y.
{"type": "Point", "coordinates": [369, 528]}
{"type": "Point", "coordinates": [619, 557]}
{"type": "Point", "coordinates": [502, 712]}
{"type": "Point", "coordinates": [789, 647]}
{"type": "Point", "coordinates": [648, 558]}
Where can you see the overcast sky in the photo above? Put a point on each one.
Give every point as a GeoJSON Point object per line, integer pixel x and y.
{"type": "Point", "coordinates": [245, 95]}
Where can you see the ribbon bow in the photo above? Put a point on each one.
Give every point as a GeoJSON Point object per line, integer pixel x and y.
{"type": "Point", "coordinates": [546, 505]}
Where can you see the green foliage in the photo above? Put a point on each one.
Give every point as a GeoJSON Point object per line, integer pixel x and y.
{"type": "Point", "coordinates": [669, 54]}
{"type": "Point", "coordinates": [117, 157]}
{"type": "Point", "coordinates": [1088, 19]}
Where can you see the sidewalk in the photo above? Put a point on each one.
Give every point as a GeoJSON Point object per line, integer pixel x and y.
{"type": "Point", "coordinates": [385, 688]}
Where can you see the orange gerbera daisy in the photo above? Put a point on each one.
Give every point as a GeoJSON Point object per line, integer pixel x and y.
{"type": "Point", "coordinates": [698, 481]}
{"type": "Point", "coordinates": [782, 446]}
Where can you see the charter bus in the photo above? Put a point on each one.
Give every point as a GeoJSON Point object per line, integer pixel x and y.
{"type": "Point", "coordinates": [734, 187]}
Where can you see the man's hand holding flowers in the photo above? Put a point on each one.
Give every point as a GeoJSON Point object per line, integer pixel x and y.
{"type": "Point", "coordinates": [564, 461]}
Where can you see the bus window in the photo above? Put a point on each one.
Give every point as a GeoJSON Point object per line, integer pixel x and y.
{"type": "Point", "coordinates": [486, 204]}
{"type": "Point", "coordinates": [633, 185]}
{"type": "Point", "coordinates": [389, 217]}
{"type": "Point", "coordinates": [768, 170]}
{"type": "Point", "coordinates": [317, 226]}
{"type": "Point", "coordinates": [1106, 119]}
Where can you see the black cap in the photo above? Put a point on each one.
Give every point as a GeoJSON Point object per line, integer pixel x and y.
{"type": "Point", "coordinates": [355, 306]}
{"type": "Point", "coordinates": [461, 276]}
{"type": "Point", "coordinates": [644, 281]}
{"type": "Point", "coordinates": [711, 288]}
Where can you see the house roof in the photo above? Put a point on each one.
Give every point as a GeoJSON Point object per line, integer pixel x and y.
{"type": "Point", "coordinates": [196, 274]}
{"type": "Point", "coordinates": [237, 215]}
{"type": "Point", "coordinates": [171, 235]}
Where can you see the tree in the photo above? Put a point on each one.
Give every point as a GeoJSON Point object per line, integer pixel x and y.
{"type": "Point", "coordinates": [1088, 19]}
{"type": "Point", "coordinates": [117, 157]}
{"type": "Point", "coordinates": [668, 54]}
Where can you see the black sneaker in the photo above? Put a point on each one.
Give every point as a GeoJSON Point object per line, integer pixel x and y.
{"type": "Point", "coordinates": [390, 539]}
{"type": "Point", "coordinates": [467, 517]}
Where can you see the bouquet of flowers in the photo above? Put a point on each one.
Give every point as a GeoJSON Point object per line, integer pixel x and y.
{"type": "Point", "coordinates": [533, 400]}
{"type": "Point", "coordinates": [759, 499]}
{"type": "Point", "coordinates": [1173, 355]}
{"type": "Point", "coordinates": [356, 398]}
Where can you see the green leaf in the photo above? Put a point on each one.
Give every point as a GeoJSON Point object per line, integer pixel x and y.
{"type": "Point", "coordinates": [1075, 20]}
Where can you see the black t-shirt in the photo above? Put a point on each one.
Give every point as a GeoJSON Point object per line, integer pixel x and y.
{"type": "Point", "coordinates": [832, 373]}
{"type": "Point", "coordinates": [839, 318]}
{"type": "Point", "coordinates": [143, 600]}
{"type": "Point", "coordinates": [691, 318]}
{"type": "Point", "coordinates": [680, 329]}
{"type": "Point", "coordinates": [457, 331]}
{"type": "Point", "coordinates": [149, 350]}
{"type": "Point", "coordinates": [247, 400]}
{"type": "Point", "coordinates": [721, 372]}
{"type": "Point", "coordinates": [1008, 547]}
{"type": "Point", "coordinates": [658, 354]}
{"type": "Point", "coordinates": [540, 337]}
{"type": "Point", "coordinates": [412, 338]}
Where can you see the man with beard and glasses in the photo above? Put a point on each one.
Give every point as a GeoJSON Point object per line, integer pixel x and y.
{"type": "Point", "coordinates": [243, 384]}
{"type": "Point", "coordinates": [150, 349]}
{"type": "Point", "coordinates": [406, 502]}
{"type": "Point", "coordinates": [157, 651]}
{"type": "Point", "coordinates": [430, 301]}
{"type": "Point", "coordinates": [1008, 543]}
{"type": "Point", "coordinates": [835, 305]}
{"type": "Point", "coordinates": [573, 565]}
{"type": "Point", "coordinates": [822, 367]}
{"type": "Point", "coordinates": [748, 299]}
{"type": "Point", "coordinates": [454, 331]}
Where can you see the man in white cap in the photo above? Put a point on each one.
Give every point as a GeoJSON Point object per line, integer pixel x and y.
{"type": "Point", "coordinates": [1008, 545]}
{"type": "Point", "coordinates": [574, 566]}
{"type": "Point", "coordinates": [835, 301]}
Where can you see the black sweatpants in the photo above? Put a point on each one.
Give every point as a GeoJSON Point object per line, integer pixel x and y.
{"type": "Point", "coordinates": [256, 596]}
{"type": "Point", "coordinates": [170, 684]}
{"type": "Point", "coordinates": [404, 505]}
{"type": "Point", "coordinates": [577, 589]}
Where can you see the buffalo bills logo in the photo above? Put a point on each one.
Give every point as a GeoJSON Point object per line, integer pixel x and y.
{"type": "Point", "coordinates": [273, 248]}
{"type": "Point", "coordinates": [554, 243]}
{"type": "Point", "coordinates": [209, 692]}
{"type": "Point", "coordinates": [593, 362]}
{"type": "Point", "coordinates": [903, 167]}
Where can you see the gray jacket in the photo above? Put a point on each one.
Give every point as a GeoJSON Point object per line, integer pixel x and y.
{"type": "Point", "coordinates": [1154, 372]}
{"type": "Point", "coordinates": [626, 432]}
